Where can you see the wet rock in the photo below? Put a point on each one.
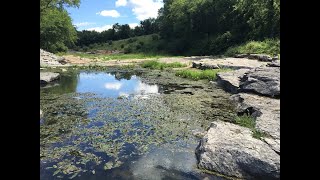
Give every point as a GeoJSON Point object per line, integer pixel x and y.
{"type": "Point", "coordinates": [262, 80]}
{"type": "Point", "coordinates": [46, 77]}
{"type": "Point", "coordinates": [231, 150]}
{"type": "Point", "coordinates": [230, 81]}
{"type": "Point", "coordinates": [267, 113]}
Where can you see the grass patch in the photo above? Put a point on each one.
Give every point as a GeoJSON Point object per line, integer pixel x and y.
{"type": "Point", "coordinates": [250, 122]}
{"type": "Point", "coordinates": [153, 64]}
{"type": "Point", "coordinates": [268, 46]}
{"type": "Point", "coordinates": [209, 74]}
{"type": "Point", "coordinates": [246, 121]}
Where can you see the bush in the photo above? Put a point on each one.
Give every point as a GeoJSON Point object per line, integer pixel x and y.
{"type": "Point", "coordinates": [219, 44]}
{"type": "Point", "coordinates": [131, 40]}
{"type": "Point", "coordinates": [268, 46]}
{"type": "Point", "coordinates": [138, 46]}
{"type": "Point", "coordinates": [110, 42]}
{"type": "Point", "coordinates": [122, 46]}
{"type": "Point", "coordinates": [141, 43]}
{"type": "Point", "coordinates": [127, 50]}
{"type": "Point", "coordinates": [155, 37]}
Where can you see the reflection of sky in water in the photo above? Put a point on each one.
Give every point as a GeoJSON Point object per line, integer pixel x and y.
{"type": "Point", "coordinates": [107, 85]}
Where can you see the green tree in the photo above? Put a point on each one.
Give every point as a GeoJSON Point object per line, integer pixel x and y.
{"type": "Point", "coordinates": [56, 29]}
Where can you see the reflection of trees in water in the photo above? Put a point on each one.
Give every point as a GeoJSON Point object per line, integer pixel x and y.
{"type": "Point", "coordinates": [123, 75]}
{"type": "Point", "coordinates": [67, 84]}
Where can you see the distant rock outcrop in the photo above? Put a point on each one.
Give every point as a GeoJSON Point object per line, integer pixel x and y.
{"type": "Point", "coordinates": [49, 59]}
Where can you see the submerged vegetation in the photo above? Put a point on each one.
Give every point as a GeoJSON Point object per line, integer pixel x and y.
{"type": "Point", "coordinates": [153, 64]}
{"type": "Point", "coordinates": [209, 74]}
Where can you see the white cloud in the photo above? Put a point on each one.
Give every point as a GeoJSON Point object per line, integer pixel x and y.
{"type": "Point", "coordinates": [113, 86]}
{"type": "Point", "coordinates": [144, 9]}
{"type": "Point", "coordinates": [121, 3]}
{"type": "Point", "coordinates": [100, 29]}
{"type": "Point", "coordinates": [111, 13]}
{"type": "Point", "coordinates": [143, 88]}
{"type": "Point", "coordinates": [133, 25]}
{"type": "Point", "coordinates": [83, 24]}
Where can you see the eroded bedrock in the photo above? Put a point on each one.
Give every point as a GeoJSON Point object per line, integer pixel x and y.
{"type": "Point", "coordinates": [263, 80]}
{"type": "Point", "coordinates": [231, 150]}
{"type": "Point", "coordinates": [267, 113]}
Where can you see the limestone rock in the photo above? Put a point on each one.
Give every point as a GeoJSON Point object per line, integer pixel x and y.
{"type": "Point", "coordinates": [231, 150]}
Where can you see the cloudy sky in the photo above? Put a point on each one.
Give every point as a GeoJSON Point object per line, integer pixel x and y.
{"type": "Point", "coordinates": [100, 15]}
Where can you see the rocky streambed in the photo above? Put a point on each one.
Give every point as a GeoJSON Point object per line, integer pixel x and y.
{"type": "Point", "coordinates": [142, 124]}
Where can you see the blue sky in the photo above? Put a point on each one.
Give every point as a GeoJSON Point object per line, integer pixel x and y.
{"type": "Point", "coordinates": [100, 15]}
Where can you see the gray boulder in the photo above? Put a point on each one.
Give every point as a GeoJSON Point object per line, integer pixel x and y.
{"type": "Point", "coordinates": [230, 81]}
{"type": "Point", "coordinates": [267, 113]}
{"type": "Point", "coordinates": [231, 150]}
{"type": "Point", "coordinates": [274, 64]}
{"type": "Point", "coordinates": [46, 77]}
{"type": "Point", "coordinates": [263, 81]}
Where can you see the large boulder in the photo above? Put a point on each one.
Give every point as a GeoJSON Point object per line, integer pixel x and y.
{"type": "Point", "coordinates": [230, 81]}
{"type": "Point", "coordinates": [263, 81]}
{"type": "Point", "coordinates": [267, 113]}
{"type": "Point", "coordinates": [231, 150]}
{"type": "Point", "coordinates": [47, 77]}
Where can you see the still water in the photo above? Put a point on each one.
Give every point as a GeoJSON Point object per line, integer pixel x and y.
{"type": "Point", "coordinates": [100, 125]}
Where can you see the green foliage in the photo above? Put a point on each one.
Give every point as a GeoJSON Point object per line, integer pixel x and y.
{"type": "Point", "coordinates": [56, 29]}
{"type": "Point", "coordinates": [209, 74]}
{"type": "Point", "coordinates": [249, 122]}
{"type": "Point", "coordinates": [159, 65]}
{"type": "Point", "coordinates": [268, 46]}
{"type": "Point", "coordinates": [246, 121]}
{"type": "Point", "coordinates": [122, 46]}
{"type": "Point", "coordinates": [127, 50]}
{"type": "Point", "coordinates": [258, 134]}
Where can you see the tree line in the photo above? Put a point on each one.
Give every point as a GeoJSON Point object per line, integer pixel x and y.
{"type": "Point", "coordinates": [199, 27]}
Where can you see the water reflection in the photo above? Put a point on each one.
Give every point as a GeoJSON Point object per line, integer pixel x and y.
{"type": "Point", "coordinates": [103, 84]}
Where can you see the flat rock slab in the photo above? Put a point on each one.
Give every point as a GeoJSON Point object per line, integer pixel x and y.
{"type": "Point", "coordinates": [230, 81]}
{"type": "Point", "coordinates": [46, 77]}
{"type": "Point", "coordinates": [232, 63]}
{"type": "Point", "coordinates": [260, 57]}
{"type": "Point", "coordinates": [267, 113]}
{"type": "Point", "coordinates": [231, 150]}
{"type": "Point", "coordinates": [263, 81]}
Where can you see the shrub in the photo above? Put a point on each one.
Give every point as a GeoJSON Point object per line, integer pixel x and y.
{"type": "Point", "coordinates": [122, 46]}
{"type": "Point", "coordinates": [268, 46]}
{"type": "Point", "coordinates": [127, 50]}
{"type": "Point", "coordinates": [155, 37]}
{"type": "Point", "coordinates": [141, 43]}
